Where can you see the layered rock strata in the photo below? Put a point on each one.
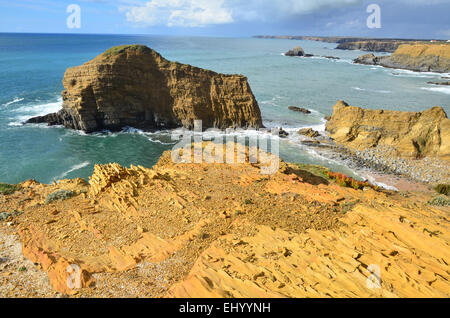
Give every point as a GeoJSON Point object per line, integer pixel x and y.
{"type": "Point", "coordinates": [218, 230]}
{"type": "Point", "coordinates": [408, 134]}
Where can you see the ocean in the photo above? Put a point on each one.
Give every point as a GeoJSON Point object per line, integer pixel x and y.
{"type": "Point", "coordinates": [32, 67]}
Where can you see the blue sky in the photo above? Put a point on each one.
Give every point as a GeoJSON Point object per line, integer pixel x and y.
{"type": "Point", "coordinates": [399, 18]}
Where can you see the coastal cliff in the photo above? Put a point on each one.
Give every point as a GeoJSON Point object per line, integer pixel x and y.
{"type": "Point", "coordinates": [415, 57]}
{"type": "Point", "coordinates": [410, 134]}
{"type": "Point", "coordinates": [355, 43]}
{"type": "Point", "coordinates": [135, 86]}
{"type": "Point", "coordinates": [217, 230]}
{"type": "Point", "coordinates": [371, 45]}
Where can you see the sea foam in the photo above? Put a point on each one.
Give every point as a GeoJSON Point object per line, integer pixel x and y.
{"type": "Point", "coordinates": [23, 113]}
{"type": "Point", "coordinates": [73, 168]}
{"type": "Point", "coordinates": [15, 100]}
{"type": "Point", "coordinates": [445, 90]}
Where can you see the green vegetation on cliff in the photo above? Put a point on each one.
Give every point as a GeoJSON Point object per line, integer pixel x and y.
{"type": "Point", "coordinates": [60, 195]}
{"type": "Point", "coordinates": [122, 48]}
{"type": "Point", "coordinates": [8, 188]}
{"type": "Point", "coordinates": [443, 189]}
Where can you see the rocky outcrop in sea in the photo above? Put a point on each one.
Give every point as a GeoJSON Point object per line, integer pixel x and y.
{"type": "Point", "coordinates": [296, 51]}
{"type": "Point", "coordinates": [299, 109]}
{"type": "Point", "coordinates": [135, 86]}
{"type": "Point", "coordinates": [440, 83]}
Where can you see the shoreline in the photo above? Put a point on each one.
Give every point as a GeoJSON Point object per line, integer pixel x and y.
{"type": "Point", "coordinates": [386, 170]}
{"type": "Point", "coordinates": [381, 164]}
{"type": "Point", "coordinates": [372, 171]}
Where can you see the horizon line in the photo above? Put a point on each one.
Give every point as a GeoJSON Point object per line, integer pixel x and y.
{"type": "Point", "coordinates": [226, 36]}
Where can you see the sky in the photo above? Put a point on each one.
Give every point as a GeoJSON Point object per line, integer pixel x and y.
{"type": "Point", "coordinates": [229, 18]}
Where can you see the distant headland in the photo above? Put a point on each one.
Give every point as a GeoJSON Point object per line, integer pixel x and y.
{"type": "Point", "coordinates": [389, 45]}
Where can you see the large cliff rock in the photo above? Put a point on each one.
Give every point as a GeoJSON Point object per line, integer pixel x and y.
{"type": "Point", "coordinates": [421, 57]}
{"type": "Point", "coordinates": [410, 134]}
{"type": "Point", "coordinates": [414, 57]}
{"type": "Point", "coordinates": [135, 86]}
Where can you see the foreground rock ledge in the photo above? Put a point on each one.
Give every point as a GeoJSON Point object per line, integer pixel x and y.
{"type": "Point", "coordinates": [214, 230]}
{"type": "Point", "coordinates": [135, 86]}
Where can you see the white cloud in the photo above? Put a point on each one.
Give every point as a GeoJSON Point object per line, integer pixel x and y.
{"type": "Point", "coordinates": [184, 13]}
{"type": "Point", "coordinates": [268, 8]}
{"type": "Point", "coordinates": [424, 2]}
{"type": "Point", "coordinates": [197, 13]}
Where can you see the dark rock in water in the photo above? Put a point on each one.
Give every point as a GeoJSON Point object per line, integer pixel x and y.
{"type": "Point", "coordinates": [332, 57]}
{"type": "Point", "coordinates": [63, 117]}
{"type": "Point", "coordinates": [309, 55]}
{"type": "Point", "coordinates": [440, 83]}
{"type": "Point", "coordinates": [299, 109]}
{"type": "Point", "coordinates": [133, 85]}
{"type": "Point", "coordinates": [311, 142]}
{"type": "Point", "coordinates": [308, 132]}
{"type": "Point", "coordinates": [282, 133]}
{"type": "Point", "coordinates": [296, 51]}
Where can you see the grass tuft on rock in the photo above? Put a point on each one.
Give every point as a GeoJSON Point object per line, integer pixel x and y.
{"type": "Point", "coordinates": [443, 189]}
{"type": "Point", "coordinates": [7, 189]}
{"type": "Point", "coordinates": [22, 269]}
{"type": "Point", "coordinates": [318, 171]}
{"type": "Point", "coordinates": [59, 195]}
{"type": "Point", "coordinates": [6, 215]}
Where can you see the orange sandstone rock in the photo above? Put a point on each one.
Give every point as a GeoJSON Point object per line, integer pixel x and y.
{"type": "Point", "coordinates": [151, 233]}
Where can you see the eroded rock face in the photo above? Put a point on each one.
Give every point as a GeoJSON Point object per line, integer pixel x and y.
{"type": "Point", "coordinates": [410, 134]}
{"type": "Point", "coordinates": [135, 86]}
{"type": "Point", "coordinates": [414, 57]}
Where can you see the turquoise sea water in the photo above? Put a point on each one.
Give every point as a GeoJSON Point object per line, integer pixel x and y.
{"type": "Point", "coordinates": [32, 67]}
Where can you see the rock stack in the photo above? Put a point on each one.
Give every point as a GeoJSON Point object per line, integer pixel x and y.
{"type": "Point", "coordinates": [135, 86]}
